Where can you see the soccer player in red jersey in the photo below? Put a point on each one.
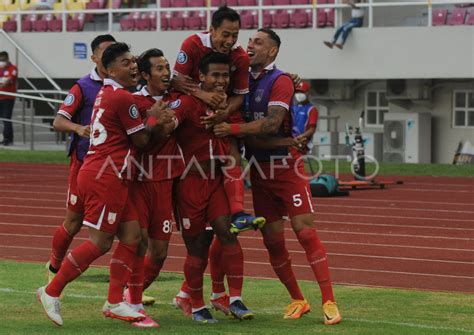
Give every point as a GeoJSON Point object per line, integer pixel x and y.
{"type": "Point", "coordinates": [116, 130]}
{"type": "Point", "coordinates": [161, 162]}
{"type": "Point", "coordinates": [221, 37]}
{"type": "Point", "coordinates": [74, 116]}
{"type": "Point", "coordinates": [200, 194]}
{"type": "Point", "coordinates": [282, 189]}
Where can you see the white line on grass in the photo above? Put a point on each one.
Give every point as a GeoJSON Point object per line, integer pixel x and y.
{"type": "Point", "coordinates": [272, 311]}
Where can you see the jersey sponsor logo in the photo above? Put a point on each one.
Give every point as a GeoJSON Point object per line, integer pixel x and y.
{"type": "Point", "coordinates": [111, 218]}
{"type": "Point", "coordinates": [133, 111]}
{"type": "Point", "coordinates": [69, 100]}
{"type": "Point", "coordinates": [259, 95]}
{"type": "Point", "coordinates": [175, 104]}
{"type": "Point", "coordinates": [182, 57]}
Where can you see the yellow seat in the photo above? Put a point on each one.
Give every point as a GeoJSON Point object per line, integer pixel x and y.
{"type": "Point", "coordinates": [75, 5]}
{"type": "Point", "coordinates": [12, 5]}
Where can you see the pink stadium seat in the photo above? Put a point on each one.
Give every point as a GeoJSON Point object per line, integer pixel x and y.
{"type": "Point", "coordinates": [469, 21]}
{"type": "Point", "coordinates": [322, 2]}
{"type": "Point", "coordinates": [330, 17]}
{"type": "Point", "coordinates": [27, 22]}
{"type": "Point", "coordinates": [76, 23]}
{"type": "Point", "coordinates": [439, 17]}
{"type": "Point", "coordinates": [321, 18]}
{"type": "Point", "coordinates": [179, 3]}
{"type": "Point", "coordinates": [300, 2]}
{"type": "Point", "coordinates": [143, 22]}
{"type": "Point", "coordinates": [116, 4]}
{"type": "Point", "coordinates": [267, 19]}
{"type": "Point", "coordinates": [165, 3]}
{"type": "Point", "coordinates": [247, 2]}
{"type": "Point", "coordinates": [10, 26]}
{"type": "Point", "coordinates": [196, 21]}
{"type": "Point", "coordinates": [247, 20]}
{"type": "Point", "coordinates": [176, 22]}
{"type": "Point", "coordinates": [164, 21]}
{"type": "Point", "coordinates": [92, 5]}
{"type": "Point", "coordinates": [196, 3]}
{"type": "Point", "coordinates": [230, 3]}
{"type": "Point", "coordinates": [127, 23]}
{"type": "Point", "coordinates": [458, 17]}
{"type": "Point", "coordinates": [281, 19]}
{"type": "Point", "coordinates": [299, 19]}
{"type": "Point", "coordinates": [54, 24]}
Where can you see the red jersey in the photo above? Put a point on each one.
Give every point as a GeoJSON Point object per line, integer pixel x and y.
{"type": "Point", "coordinates": [193, 137]}
{"type": "Point", "coordinates": [197, 46]}
{"type": "Point", "coordinates": [114, 118]}
{"type": "Point", "coordinates": [165, 162]}
{"type": "Point", "coordinates": [8, 75]}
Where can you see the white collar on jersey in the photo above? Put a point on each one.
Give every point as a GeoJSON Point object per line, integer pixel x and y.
{"type": "Point", "coordinates": [144, 91]}
{"type": "Point", "coordinates": [206, 40]}
{"type": "Point", "coordinates": [269, 67]}
{"type": "Point", "coordinates": [113, 83]}
{"type": "Point", "coordinates": [94, 75]}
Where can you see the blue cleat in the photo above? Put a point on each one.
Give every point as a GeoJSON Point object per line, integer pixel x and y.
{"type": "Point", "coordinates": [240, 311]}
{"type": "Point", "coordinates": [242, 221]}
{"type": "Point", "coordinates": [203, 316]}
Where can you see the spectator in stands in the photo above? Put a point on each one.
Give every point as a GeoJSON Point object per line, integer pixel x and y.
{"type": "Point", "coordinates": [8, 75]}
{"type": "Point", "coordinates": [305, 118]}
{"type": "Point", "coordinates": [356, 21]}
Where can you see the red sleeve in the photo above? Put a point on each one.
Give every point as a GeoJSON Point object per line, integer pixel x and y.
{"type": "Point", "coordinates": [312, 117]}
{"type": "Point", "coordinates": [240, 78]}
{"type": "Point", "coordinates": [282, 92]}
{"type": "Point", "coordinates": [12, 73]}
{"type": "Point", "coordinates": [71, 103]}
{"type": "Point", "coordinates": [180, 107]}
{"type": "Point", "coordinates": [186, 62]}
{"type": "Point", "coordinates": [128, 113]}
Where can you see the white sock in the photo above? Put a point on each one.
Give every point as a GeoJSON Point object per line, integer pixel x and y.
{"type": "Point", "coordinates": [217, 295]}
{"type": "Point", "coordinates": [198, 309]}
{"type": "Point", "coordinates": [136, 307]}
{"type": "Point", "coordinates": [233, 299]}
{"type": "Point", "coordinates": [182, 294]}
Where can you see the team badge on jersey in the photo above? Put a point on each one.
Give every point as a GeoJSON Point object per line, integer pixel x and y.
{"type": "Point", "coordinates": [175, 104]}
{"type": "Point", "coordinates": [182, 57]}
{"type": "Point", "coordinates": [111, 218]}
{"type": "Point", "coordinates": [233, 68]}
{"type": "Point", "coordinates": [133, 111]}
{"type": "Point", "coordinates": [73, 199]}
{"type": "Point", "coordinates": [69, 100]}
{"type": "Point", "coordinates": [259, 95]}
{"type": "Point", "coordinates": [186, 223]}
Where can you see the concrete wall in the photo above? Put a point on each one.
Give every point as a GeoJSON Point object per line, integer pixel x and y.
{"type": "Point", "coordinates": [445, 138]}
{"type": "Point", "coordinates": [401, 52]}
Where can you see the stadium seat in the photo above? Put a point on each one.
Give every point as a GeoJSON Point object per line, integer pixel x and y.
{"type": "Point", "coordinates": [299, 19]}
{"type": "Point", "coordinates": [458, 17]}
{"type": "Point", "coordinates": [165, 3]}
{"type": "Point", "coordinates": [281, 2]}
{"type": "Point", "coordinates": [116, 4]}
{"type": "Point", "coordinates": [330, 17]}
{"type": "Point", "coordinates": [10, 26]}
{"type": "Point", "coordinates": [281, 19]}
{"type": "Point", "coordinates": [27, 22]}
{"type": "Point", "coordinates": [11, 5]}
{"type": "Point", "coordinates": [76, 23]}
{"type": "Point", "coordinates": [440, 17]}
{"type": "Point", "coordinates": [164, 21]}
{"type": "Point", "coordinates": [247, 20]}
{"type": "Point", "coordinates": [300, 2]}
{"type": "Point", "coordinates": [321, 18]}
{"type": "Point", "coordinates": [55, 24]}
{"type": "Point", "coordinates": [176, 22]}
{"type": "Point", "coordinates": [267, 18]}
{"type": "Point", "coordinates": [179, 3]}
{"type": "Point", "coordinates": [470, 18]}
{"type": "Point", "coordinates": [247, 2]}
{"type": "Point", "coordinates": [230, 3]}
{"type": "Point", "coordinates": [142, 22]}
{"type": "Point", "coordinates": [196, 3]}
{"type": "Point", "coordinates": [127, 23]}
{"type": "Point", "coordinates": [195, 21]}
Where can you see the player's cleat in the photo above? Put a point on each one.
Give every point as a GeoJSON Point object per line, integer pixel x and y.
{"type": "Point", "coordinates": [204, 316]}
{"type": "Point", "coordinates": [184, 304]}
{"type": "Point", "coordinates": [240, 311]}
{"type": "Point", "coordinates": [221, 304]}
{"type": "Point", "coordinates": [242, 221]}
{"type": "Point", "coordinates": [331, 313]}
{"type": "Point", "coordinates": [146, 300]}
{"type": "Point", "coordinates": [51, 305]}
{"type": "Point", "coordinates": [49, 274]}
{"type": "Point", "coordinates": [296, 309]}
{"type": "Point", "coordinates": [145, 323]}
{"type": "Point", "coordinates": [121, 311]}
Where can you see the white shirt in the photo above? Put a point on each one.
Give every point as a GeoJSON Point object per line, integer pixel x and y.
{"type": "Point", "coordinates": [357, 13]}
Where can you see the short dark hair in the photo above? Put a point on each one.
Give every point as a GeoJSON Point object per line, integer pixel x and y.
{"type": "Point", "coordinates": [213, 58]}
{"type": "Point", "coordinates": [101, 39]}
{"type": "Point", "coordinates": [224, 13]}
{"type": "Point", "coordinates": [114, 51]}
{"type": "Point", "coordinates": [144, 64]}
{"type": "Point", "coordinates": [272, 34]}
{"type": "Point", "coordinates": [4, 54]}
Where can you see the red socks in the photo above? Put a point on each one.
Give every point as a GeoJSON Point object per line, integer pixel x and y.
{"type": "Point", "coordinates": [194, 272]}
{"type": "Point", "coordinates": [135, 283]}
{"type": "Point", "coordinates": [152, 270]}
{"type": "Point", "coordinates": [281, 263]}
{"type": "Point", "coordinates": [61, 242]}
{"type": "Point", "coordinates": [234, 189]}
{"type": "Point", "coordinates": [316, 255]}
{"type": "Point", "coordinates": [73, 266]}
{"type": "Point", "coordinates": [121, 264]}
{"type": "Point", "coordinates": [217, 273]}
{"type": "Point", "coordinates": [232, 261]}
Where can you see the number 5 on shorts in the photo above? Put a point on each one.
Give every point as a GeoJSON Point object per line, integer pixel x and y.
{"type": "Point", "coordinates": [297, 200]}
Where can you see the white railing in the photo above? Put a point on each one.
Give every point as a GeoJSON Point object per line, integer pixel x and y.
{"type": "Point", "coordinates": [110, 12]}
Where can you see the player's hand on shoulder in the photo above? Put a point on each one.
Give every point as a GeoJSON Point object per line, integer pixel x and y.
{"type": "Point", "coordinates": [84, 131]}
{"type": "Point", "coordinates": [184, 84]}
{"type": "Point", "coordinates": [165, 116]}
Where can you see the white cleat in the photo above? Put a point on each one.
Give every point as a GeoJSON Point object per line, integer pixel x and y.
{"type": "Point", "coordinates": [121, 311]}
{"type": "Point", "coordinates": [51, 305]}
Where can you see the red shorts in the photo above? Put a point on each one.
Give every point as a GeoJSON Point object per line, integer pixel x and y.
{"type": "Point", "coordinates": [105, 201]}
{"type": "Point", "coordinates": [74, 202]}
{"type": "Point", "coordinates": [199, 201]}
{"type": "Point", "coordinates": [286, 194]}
{"type": "Point", "coordinates": [154, 205]}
